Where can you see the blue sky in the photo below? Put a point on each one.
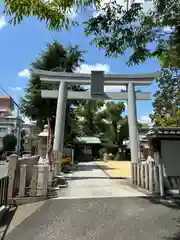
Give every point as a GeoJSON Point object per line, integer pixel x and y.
{"type": "Point", "coordinates": [21, 44]}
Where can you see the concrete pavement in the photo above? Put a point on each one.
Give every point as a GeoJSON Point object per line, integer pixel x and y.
{"type": "Point", "coordinates": [89, 181]}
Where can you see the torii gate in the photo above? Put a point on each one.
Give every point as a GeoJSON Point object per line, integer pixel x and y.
{"type": "Point", "coordinates": [97, 80]}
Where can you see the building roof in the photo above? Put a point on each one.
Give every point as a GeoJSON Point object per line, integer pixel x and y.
{"type": "Point", "coordinates": [88, 140]}
{"type": "Point", "coordinates": [163, 132]}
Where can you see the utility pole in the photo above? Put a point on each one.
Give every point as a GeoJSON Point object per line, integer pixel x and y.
{"type": "Point", "coordinates": [18, 124]}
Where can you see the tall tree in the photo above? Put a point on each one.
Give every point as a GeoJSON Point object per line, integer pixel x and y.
{"type": "Point", "coordinates": [88, 118]}
{"type": "Point", "coordinates": [114, 120]}
{"type": "Point", "coordinates": [56, 58]}
{"type": "Point", "coordinates": [55, 13]}
{"type": "Point", "coordinates": [166, 105]}
{"type": "Point", "coordinates": [117, 30]}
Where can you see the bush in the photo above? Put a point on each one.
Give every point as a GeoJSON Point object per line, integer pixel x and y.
{"type": "Point", "coordinates": [9, 142]}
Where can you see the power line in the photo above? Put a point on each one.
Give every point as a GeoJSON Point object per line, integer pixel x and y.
{"type": "Point", "coordinates": [9, 96]}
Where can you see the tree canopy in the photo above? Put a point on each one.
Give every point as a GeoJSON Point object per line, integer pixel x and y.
{"type": "Point", "coordinates": [9, 142]}
{"type": "Point", "coordinates": [116, 30]}
{"type": "Point", "coordinates": [57, 14]}
{"type": "Point", "coordinates": [56, 58]}
{"type": "Point", "coordinates": [166, 106]}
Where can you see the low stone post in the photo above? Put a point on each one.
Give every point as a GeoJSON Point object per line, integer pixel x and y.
{"type": "Point", "coordinates": [33, 185]}
{"type": "Point", "coordinates": [146, 173]}
{"type": "Point", "coordinates": [161, 180]}
{"type": "Point", "coordinates": [142, 176]}
{"type": "Point", "coordinates": [138, 175]}
{"type": "Point", "coordinates": [22, 183]}
{"type": "Point", "coordinates": [42, 180]}
{"type": "Point", "coordinates": [151, 176]}
{"type": "Point", "coordinates": [13, 161]}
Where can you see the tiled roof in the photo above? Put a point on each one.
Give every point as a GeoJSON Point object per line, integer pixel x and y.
{"type": "Point", "coordinates": [89, 140]}
{"type": "Point", "coordinates": [164, 131]}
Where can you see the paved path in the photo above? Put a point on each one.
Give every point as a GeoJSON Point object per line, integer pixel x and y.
{"type": "Point", "coordinates": [89, 181]}
{"type": "Point", "coordinates": [79, 214]}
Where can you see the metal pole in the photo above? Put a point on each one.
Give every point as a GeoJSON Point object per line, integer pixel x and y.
{"type": "Point", "coordinates": [18, 131]}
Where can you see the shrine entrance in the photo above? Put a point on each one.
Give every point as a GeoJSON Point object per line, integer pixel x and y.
{"type": "Point", "coordinates": [97, 80]}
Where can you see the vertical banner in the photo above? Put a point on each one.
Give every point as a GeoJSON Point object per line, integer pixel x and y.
{"type": "Point", "coordinates": [49, 144]}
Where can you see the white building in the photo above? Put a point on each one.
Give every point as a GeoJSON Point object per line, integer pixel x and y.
{"type": "Point", "coordinates": [8, 122]}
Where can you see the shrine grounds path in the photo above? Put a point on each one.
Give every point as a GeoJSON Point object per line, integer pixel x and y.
{"type": "Point", "coordinates": [95, 207]}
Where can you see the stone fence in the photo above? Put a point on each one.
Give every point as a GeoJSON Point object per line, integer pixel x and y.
{"type": "Point", "coordinates": [27, 178]}
{"type": "Point", "coordinates": [148, 175]}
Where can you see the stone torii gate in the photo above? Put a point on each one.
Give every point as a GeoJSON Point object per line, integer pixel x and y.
{"type": "Point", "coordinates": [97, 80]}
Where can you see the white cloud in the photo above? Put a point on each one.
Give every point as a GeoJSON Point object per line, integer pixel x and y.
{"type": "Point", "coordinates": [24, 73]}
{"type": "Point", "coordinates": [86, 68]}
{"type": "Point", "coordinates": [16, 88]}
{"type": "Point", "coordinates": [145, 120]}
{"type": "Point", "coordinates": [146, 5]}
{"type": "Point", "coordinates": [2, 22]}
{"type": "Point", "coordinates": [114, 88]}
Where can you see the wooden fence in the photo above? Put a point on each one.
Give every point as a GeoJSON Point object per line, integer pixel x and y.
{"type": "Point", "coordinates": [149, 176]}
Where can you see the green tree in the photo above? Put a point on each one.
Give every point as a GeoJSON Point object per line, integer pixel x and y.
{"type": "Point", "coordinates": [116, 30]}
{"type": "Point", "coordinates": [88, 118]}
{"type": "Point", "coordinates": [113, 136]}
{"type": "Point", "coordinates": [57, 58]}
{"type": "Point", "coordinates": [9, 142]}
{"type": "Point", "coordinates": [55, 13]}
{"type": "Point", "coordinates": [166, 111]}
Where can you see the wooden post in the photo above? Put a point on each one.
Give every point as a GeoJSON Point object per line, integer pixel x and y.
{"type": "Point", "coordinates": [33, 184]}
{"type": "Point", "coordinates": [146, 173]}
{"type": "Point", "coordinates": [161, 180]}
{"type": "Point", "coordinates": [22, 183]}
{"type": "Point", "coordinates": [151, 176]}
{"type": "Point", "coordinates": [13, 161]}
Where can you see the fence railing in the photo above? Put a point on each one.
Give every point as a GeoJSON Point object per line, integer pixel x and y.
{"type": "Point", "coordinates": [149, 176]}
{"type": "Point", "coordinates": [3, 191]}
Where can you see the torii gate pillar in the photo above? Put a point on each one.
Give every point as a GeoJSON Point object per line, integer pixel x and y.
{"type": "Point", "coordinates": [132, 122]}
{"type": "Point", "coordinates": [60, 117]}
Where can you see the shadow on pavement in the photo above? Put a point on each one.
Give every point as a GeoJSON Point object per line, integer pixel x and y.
{"type": "Point", "coordinates": [175, 236]}
{"type": "Point", "coordinates": [85, 167]}
{"type": "Point", "coordinates": [6, 220]}
{"type": "Point", "coordinates": [173, 204]}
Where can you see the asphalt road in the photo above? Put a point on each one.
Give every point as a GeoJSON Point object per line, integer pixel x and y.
{"type": "Point", "coordinates": [133, 218]}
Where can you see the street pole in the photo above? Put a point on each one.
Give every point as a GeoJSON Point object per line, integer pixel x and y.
{"type": "Point", "coordinates": [18, 131]}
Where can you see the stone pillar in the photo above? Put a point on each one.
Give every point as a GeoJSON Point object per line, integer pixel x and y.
{"type": "Point", "coordinates": [60, 118]}
{"type": "Point", "coordinates": [22, 183]}
{"type": "Point", "coordinates": [132, 121]}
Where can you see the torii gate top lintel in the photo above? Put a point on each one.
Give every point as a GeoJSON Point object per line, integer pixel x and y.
{"type": "Point", "coordinates": [108, 79]}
